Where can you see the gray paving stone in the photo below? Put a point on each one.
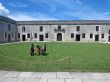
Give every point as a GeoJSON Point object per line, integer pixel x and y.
{"type": "Point", "coordinates": [19, 79]}
{"type": "Point", "coordinates": [89, 80]}
{"type": "Point", "coordinates": [2, 73]}
{"type": "Point", "coordinates": [11, 74]}
{"type": "Point", "coordinates": [89, 75]}
{"type": "Point", "coordinates": [30, 80]}
{"type": "Point", "coordinates": [63, 75]}
{"type": "Point", "coordinates": [25, 74]}
{"type": "Point", "coordinates": [73, 80]}
{"type": "Point", "coordinates": [108, 80]}
{"type": "Point", "coordinates": [56, 80]}
{"type": "Point", "coordinates": [43, 80]}
{"type": "Point", "coordinates": [37, 75]}
{"type": "Point", "coordinates": [7, 79]}
{"type": "Point", "coordinates": [1, 78]}
{"type": "Point", "coordinates": [76, 75]}
{"type": "Point", "coordinates": [97, 76]}
{"type": "Point", "coordinates": [48, 75]}
{"type": "Point", "coordinates": [105, 75]}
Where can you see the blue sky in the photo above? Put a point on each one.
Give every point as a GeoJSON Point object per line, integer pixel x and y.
{"type": "Point", "coordinates": [56, 9]}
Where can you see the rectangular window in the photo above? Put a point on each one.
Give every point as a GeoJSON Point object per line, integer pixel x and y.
{"type": "Point", "coordinates": [41, 28]}
{"type": "Point", "coordinates": [97, 28]}
{"type": "Point", "coordinates": [72, 35]}
{"type": "Point", "coordinates": [78, 28]}
{"type": "Point", "coordinates": [46, 35]}
{"type": "Point", "coordinates": [35, 35]}
{"type": "Point", "coordinates": [9, 27]}
{"type": "Point", "coordinates": [83, 35]}
{"type": "Point", "coordinates": [102, 35]}
{"type": "Point", "coordinates": [91, 35]}
{"type": "Point", "coordinates": [109, 31]}
{"type": "Point", "coordinates": [23, 29]}
{"type": "Point", "coordinates": [18, 35]}
{"type": "Point", "coordinates": [28, 35]}
{"type": "Point", "coordinates": [59, 27]}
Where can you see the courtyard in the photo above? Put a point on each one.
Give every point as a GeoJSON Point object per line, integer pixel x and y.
{"type": "Point", "coordinates": [61, 56]}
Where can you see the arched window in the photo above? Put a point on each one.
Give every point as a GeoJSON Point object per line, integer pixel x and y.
{"type": "Point", "coordinates": [41, 28]}
{"type": "Point", "coordinates": [78, 28]}
{"type": "Point", "coordinates": [97, 28]}
{"type": "Point", "coordinates": [23, 29]}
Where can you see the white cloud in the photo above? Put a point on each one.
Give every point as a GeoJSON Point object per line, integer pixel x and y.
{"type": "Point", "coordinates": [80, 10]}
{"type": "Point", "coordinates": [3, 10]}
{"type": "Point", "coordinates": [27, 17]}
{"type": "Point", "coordinates": [90, 16]}
{"type": "Point", "coordinates": [87, 12]}
{"type": "Point", "coordinates": [21, 16]}
{"type": "Point", "coordinates": [70, 9]}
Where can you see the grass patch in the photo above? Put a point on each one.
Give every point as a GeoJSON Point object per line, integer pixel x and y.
{"type": "Point", "coordinates": [61, 57]}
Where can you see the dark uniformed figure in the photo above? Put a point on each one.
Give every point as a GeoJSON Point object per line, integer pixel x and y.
{"type": "Point", "coordinates": [45, 48]}
{"type": "Point", "coordinates": [32, 50]}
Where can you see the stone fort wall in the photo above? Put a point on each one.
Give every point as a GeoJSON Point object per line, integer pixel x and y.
{"type": "Point", "coordinates": [59, 30]}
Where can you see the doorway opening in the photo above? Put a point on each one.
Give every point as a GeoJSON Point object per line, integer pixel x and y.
{"type": "Point", "coordinates": [77, 37]}
{"type": "Point", "coordinates": [59, 37]}
{"type": "Point", "coordinates": [96, 37]}
{"type": "Point", "coordinates": [23, 37]}
{"type": "Point", "coordinates": [41, 38]}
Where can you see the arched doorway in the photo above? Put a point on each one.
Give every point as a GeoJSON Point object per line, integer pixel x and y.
{"type": "Point", "coordinates": [59, 37]}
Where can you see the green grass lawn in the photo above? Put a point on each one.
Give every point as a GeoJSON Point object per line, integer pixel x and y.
{"type": "Point", "coordinates": [61, 57]}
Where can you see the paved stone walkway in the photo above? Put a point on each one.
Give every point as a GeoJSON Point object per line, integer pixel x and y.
{"type": "Point", "coordinates": [12, 76]}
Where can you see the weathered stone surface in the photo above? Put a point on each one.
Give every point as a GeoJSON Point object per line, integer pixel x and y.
{"type": "Point", "coordinates": [9, 79]}
{"type": "Point", "coordinates": [48, 75]}
{"type": "Point", "coordinates": [97, 76]}
{"type": "Point", "coordinates": [19, 79]}
{"type": "Point", "coordinates": [105, 80]}
{"type": "Point", "coordinates": [105, 75]}
{"type": "Point", "coordinates": [11, 74]}
{"type": "Point", "coordinates": [73, 80]}
{"type": "Point", "coordinates": [37, 75]}
{"type": "Point", "coordinates": [25, 74]}
{"type": "Point", "coordinates": [30, 80]}
{"type": "Point", "coordinates": [63, 75]}
{"type": "Point", "coordinates": [2, 73]}
{"type": "Point", "coordinates": [55, 80]}
{"type": "Point", "coordinates": [43, 80]}
{"type": "Point", "coordinates": [76, 75]}
{"type": "Point", "coordinates": [89, 80]}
